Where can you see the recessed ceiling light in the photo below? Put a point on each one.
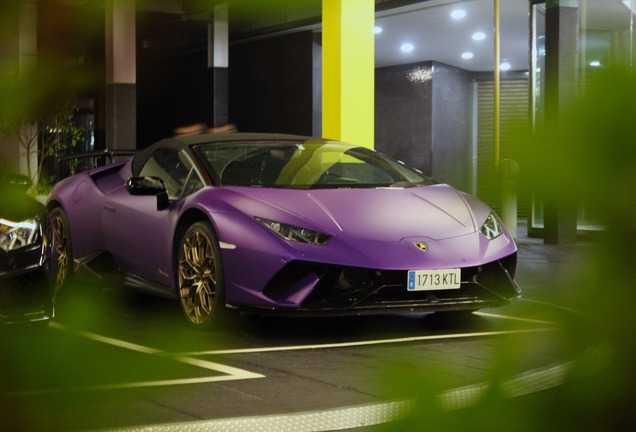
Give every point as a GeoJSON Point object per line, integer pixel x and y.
{"type": "Point", "coordinates": [467, 55]}
{"type": "Point", "coordinates": [504, 66]}
{"type": "Point", "coordinates": [407, 47]}
{"type": "Point", "coordinates": [458, 14]}
{"type": "Point", "coordinates": [377, 30]}
{"type": "Point", "coordinates": [478, 36]}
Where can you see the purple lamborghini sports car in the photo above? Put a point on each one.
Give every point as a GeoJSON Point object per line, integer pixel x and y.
{"type": "Point", "coordinates": [284, 224]}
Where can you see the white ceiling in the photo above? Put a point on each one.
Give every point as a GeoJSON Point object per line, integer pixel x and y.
{"type": "Point", "coordinates": [428, 26]}
{"type": "Point", "coordinates": [436, 36]}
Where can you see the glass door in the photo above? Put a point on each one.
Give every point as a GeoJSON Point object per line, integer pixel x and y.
{"type": "Point", "coordinates": [606, 38]}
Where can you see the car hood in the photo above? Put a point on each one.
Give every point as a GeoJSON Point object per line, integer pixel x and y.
{"type": "Point", "coordinates": [17, 206]}
{"type": "Point", "coordinates": [390, 214]}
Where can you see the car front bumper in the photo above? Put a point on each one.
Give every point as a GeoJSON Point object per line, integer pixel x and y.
{"type": "Point", "coordinates": [339, 290]}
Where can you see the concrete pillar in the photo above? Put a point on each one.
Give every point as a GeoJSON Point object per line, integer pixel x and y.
{"type": "Point", "coordinates": [348, 71]}
{"type": "Point", "coordinates": [561, 70]}
{"type": "Point", "coordinates": [18, 54]}
{"type": "Point", "coordinates": [27, 59]}
{"type": "Point", "coordinates": [121, 71]}
{"type": "Point", "coordinates": [218, 62]}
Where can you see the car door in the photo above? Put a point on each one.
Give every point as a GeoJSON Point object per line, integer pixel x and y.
{"type": "Point", "coordinates": [138, 234]}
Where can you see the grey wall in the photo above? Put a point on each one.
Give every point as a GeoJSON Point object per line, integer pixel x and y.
{"type": "Point", "coordinates": [452, 125]}
{"type": "Point", "coordinates": [423, 111]}
{"type": "Point", "coordinates": [175, 87]}
{"type": "Point", "coordinates": [271, 84]}
{"type": "Point", "coordinates": [403, 113]}
{"type": "Point", "coordinates": [423, 116]}
{"type": "Point", "coordinates": [172, 91]}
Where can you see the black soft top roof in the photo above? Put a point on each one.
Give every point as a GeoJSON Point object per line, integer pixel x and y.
{"type": "Point", "coordinates": [180, 143]}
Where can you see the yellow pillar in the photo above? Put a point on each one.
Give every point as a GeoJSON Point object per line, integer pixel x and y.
{"type": "Point", "coordinates": [348, 71]}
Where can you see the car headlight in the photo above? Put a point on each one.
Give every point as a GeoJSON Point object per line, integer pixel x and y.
{"type": "Point", "coordinates": [294, 233]}
{"type": "Point", "coordinates": [491, 229]}
{"type": "Point", "coordinates": [16, 235]}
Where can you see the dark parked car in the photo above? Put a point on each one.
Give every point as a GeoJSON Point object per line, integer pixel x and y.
{"type": "Point", "coordinates": [25, 246]}
{"type": "Point", "coordinates": [284, 224]}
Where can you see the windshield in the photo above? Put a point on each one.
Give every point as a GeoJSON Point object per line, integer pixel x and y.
{"type": "Point", "coordinates": [306, 165]}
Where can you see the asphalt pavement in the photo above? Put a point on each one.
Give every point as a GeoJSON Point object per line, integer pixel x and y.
{"type": "Point", "coordinates": [114, 360]}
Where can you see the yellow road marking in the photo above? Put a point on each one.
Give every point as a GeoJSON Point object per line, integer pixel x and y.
{"type": "Point", "coordinates": [365, 343]}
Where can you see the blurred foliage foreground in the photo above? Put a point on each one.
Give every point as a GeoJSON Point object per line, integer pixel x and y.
{"type": "Point", "coordinates": [590, 159]}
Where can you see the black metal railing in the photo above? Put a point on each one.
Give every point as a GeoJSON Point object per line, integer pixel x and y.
{"type": "Point", "coordinates": [68, 165]}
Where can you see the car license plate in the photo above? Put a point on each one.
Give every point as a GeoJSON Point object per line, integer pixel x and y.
{"type": "Point", "coordinates": [429, 280]}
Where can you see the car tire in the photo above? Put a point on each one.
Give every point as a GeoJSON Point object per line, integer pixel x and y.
{"type": "Point", "coordinates": [62, 265]}
{"type": "Point", "coordinates": [199, 276]}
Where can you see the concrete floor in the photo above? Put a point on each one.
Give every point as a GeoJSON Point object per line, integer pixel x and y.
{"type": "Point", "coordinates": [114, 360]}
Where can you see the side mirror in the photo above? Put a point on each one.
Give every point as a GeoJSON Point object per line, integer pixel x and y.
{"type": "Point", "coordinates": [148, 186]}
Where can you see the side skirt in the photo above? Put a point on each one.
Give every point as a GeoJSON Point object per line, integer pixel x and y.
{"type": "Point", "coordinates": [148, 286]}
{"type": "Point", "coordinates": [100, 267]}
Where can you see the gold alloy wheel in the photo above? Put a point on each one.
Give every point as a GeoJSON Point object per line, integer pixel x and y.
{"type": "Point", "coordinates": [62, 251]}
{"type": "Point", "coordinates": [197, 276]}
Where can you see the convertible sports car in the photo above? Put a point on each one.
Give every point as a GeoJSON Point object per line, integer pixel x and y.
{"type": "Point", "coordinates": [26, 294]}
{"type": "Point", "coordinates": [285, 224]}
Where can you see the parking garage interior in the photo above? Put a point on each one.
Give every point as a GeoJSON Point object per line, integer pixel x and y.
{"type": "Point", "coordinates": [526, 104]}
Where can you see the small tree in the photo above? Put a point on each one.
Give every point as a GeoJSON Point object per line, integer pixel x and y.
{"type": "Point", "coordinates": [43, 135]}
{"type": "Point", "coordinates": [59, 133]}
